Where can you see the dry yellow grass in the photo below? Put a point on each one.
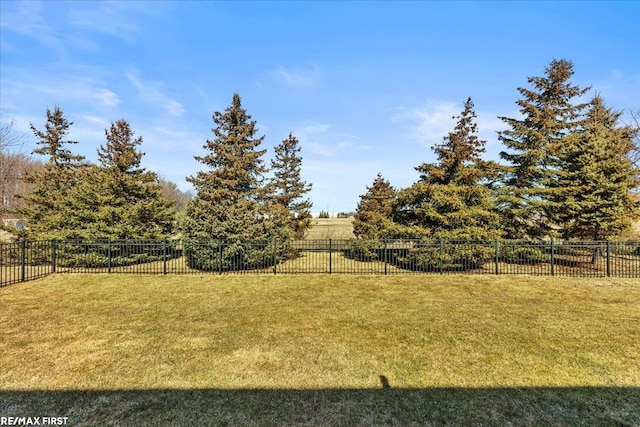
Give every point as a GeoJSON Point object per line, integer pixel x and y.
{"type": "Point", "coordinates": [331, 228]}
{"type": "Point", "coordinates": [321, 350]}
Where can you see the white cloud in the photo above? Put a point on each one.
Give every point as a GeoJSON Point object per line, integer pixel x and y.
{"type": "Point", "coordinates": [429, 123]}
{"type": "Point", "coordinates": [100, 121]}
{"type": "Point", "coordinates": [60, 25]}
{"type": "Point", "coordinates": [620, 91]}
{"type": "Point", "coordinates": [26, 18]}
{"type": "Point", "coordinates": [297, 78]}
{"type": "Point", "coordinates": [153, 94]}
{"type": "Point", "coordinates": [111, 18]}
{"type": "Point", "coordinates": [65, 89]}
{"type": "Point", "coordinates": [319, 139]}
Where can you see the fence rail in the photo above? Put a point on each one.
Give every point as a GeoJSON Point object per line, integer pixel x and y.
{"type": "Point", "coordinates": [26, 260]}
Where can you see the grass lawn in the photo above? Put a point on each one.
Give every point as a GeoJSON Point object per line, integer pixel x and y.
{"type": "Point", "coordinates": [321, 350]}
{"type": "Point", "coordinates": [331, 228]}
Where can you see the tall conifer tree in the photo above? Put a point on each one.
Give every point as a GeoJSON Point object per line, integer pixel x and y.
{"type": "Point", "coordinates": [47, 212]}
{"type": "Point", "coordinates": [451, 199]}
{"type": "Point", "coordinates": [592, 195]}
{"type": "Point", "coordinates": [373, 214]}
{"type": "Point", "coordinates": [119, 199]}
{"type": "Point", "coordinates": [231, 202]}
{"type": "Point", "coordinates": [288, 188]}
{"type": "Point", "coordinates": [549, 117]}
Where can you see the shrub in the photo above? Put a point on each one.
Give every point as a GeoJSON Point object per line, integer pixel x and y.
{"type": "Point", "coordinates": [520, 254]}
{"type": "Point", "coordinates": [117, 253]}
{"type": "Point", "coordinates": [364, 250]}
{"type": "Point", "coordinates": [445, 256]}
{"type": "Point", "coordinates": [234, 255]}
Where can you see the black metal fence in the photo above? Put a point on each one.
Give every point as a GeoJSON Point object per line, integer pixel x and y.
{"type": "Point", "coordinates": [25, 260]}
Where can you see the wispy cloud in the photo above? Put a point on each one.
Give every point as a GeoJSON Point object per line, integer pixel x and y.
{"type": "Point", "coordinates": [296, 77]}
{"type": "Point", "coordinates": [60, 25]}
{"type": "Point", "coordinates": [26, 18]}
{"type": "Point", "coordinates": [113, 18]}
{"type": "Point", "coordinates": [320, 139]}
{"type": "Point", "coordinates": [428, 123]}
{"type": "Point", "coordinates": [62, 90]}
{"type": "Point", "coordinates": [619, 89]}
{"type": "Point", "coordinates": [99, 121]}
{"type": "Point", "coordinates": [153, 94]}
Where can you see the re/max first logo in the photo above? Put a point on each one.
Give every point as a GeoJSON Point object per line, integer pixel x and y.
{"type": "Point", "coordinates": [33, 421]}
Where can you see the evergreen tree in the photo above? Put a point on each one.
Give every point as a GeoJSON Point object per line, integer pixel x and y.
{"type": "Point", "coordinates": [288, 188]}
{"type": "Point", "coordinates": [230, 205]}
{"type": "Point", "coordinates": [373, 214]}
{"type": "Point", "coordinates": [47, 212]}
{"type": "Point", "coordinates": [119, 199]}
{"type": "Point", "coordinates": [451, 200]}
{"type": "Point", "coordinates": [635, 152]}
{"type": "Point", "coordinates": [549, 117]}
{"type": "Point", "coordinates": [592, 196]}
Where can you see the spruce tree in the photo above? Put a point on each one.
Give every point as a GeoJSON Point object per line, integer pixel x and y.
{"type": "Point", "coordinates": [287, 187]}
{"type": "Point", "coordinates": [47, 212]}
{"type": "Point", "coordinates": [231, 203]}
{"type": "Point", "coordinates": [119, 199]}
{"type": "Point", "coordinates": [373, 214]}
{"type": "Point", "coordinates": [452, 201]}
{"type": "Point", "coordinates": [593, 193]}
{"type": "Point", "coordinates": [549, 117]}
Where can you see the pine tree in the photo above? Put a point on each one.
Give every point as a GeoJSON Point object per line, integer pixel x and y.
{"type": "Point", "coordinates": [593, 198]}
{"type": "Point", "coordinates": [287, 187]}
{"type": "Point", "coordinates": [47, 212]}
{"type": "Point", "coordinates": [230, 205]}
{"type": "Point", "coordinates": [119, 199]}
{"type": "Point", "coordinates": [451, 200]}
{"type": "Point", "coordinates": [549, 116]}
{"type": "Point", "coordinates": [373, 214]}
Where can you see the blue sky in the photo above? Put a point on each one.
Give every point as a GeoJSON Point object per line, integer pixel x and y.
{"type": "Point", "coordinates": [366, 87]}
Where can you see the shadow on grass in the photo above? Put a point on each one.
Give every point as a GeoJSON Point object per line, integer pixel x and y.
{"type": "Point", "coordinates": [601, 406]}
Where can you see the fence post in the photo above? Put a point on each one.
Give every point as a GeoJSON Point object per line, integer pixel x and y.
{"type": "Point", "coordinates": [330, 254]}
{"type": "Point", "coordinates": [384, 254]}
{"type": "Point", "coordinates": [219, 256]}
{"type": "Point", "coordinates": [23, 259]}
{"type": "Point", "coordinates": [497, 246]}
{"type": "Point", "coordinates": [553, 253]}
{"type": "Point", "coordinates": [54, 254]}
{"type": "Point", "coordinates": [164, 256]}
{"type": "Point", "coordinates": [109, 257]}
{"type": "Point", "coordinates": [275, 250]}
{"type": "Point", "coordinates": [441, 254]}
{"type": "Point", "coordinates": [608, 258]}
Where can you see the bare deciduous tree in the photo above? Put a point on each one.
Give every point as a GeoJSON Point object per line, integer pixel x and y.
{"type": "Point", "coordinates": [13, 166]}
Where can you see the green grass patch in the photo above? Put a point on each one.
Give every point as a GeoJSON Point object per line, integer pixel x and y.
{"type": "Point", "coordinates": [322, 350]}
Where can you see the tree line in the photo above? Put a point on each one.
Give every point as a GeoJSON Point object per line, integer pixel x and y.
{"type": "Point", "coordinates": [16, 166]}
{"type": "Point", "coordinates": [570, 169]}
{"type": "Point", "coordinates": [70, 198]}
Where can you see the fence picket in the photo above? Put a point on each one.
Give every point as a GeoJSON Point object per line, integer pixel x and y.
{"type": "Point", "coordinates": [27, 260]}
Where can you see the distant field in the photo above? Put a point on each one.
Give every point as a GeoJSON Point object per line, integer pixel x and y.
{"type": "Point", "coordinates": [331, 228]}
{"type": "Point", "coordinates": [322, 350]}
